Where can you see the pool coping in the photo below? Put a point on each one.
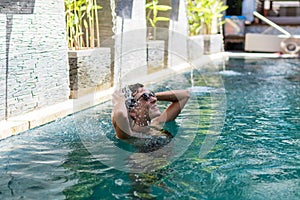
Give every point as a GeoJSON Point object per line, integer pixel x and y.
{"type": "Point", "coordinates": [42, 116]}
{"type": "Point", "coordinates": [252, 55]}
{"type": "Point", "coordinates": [38, 117]}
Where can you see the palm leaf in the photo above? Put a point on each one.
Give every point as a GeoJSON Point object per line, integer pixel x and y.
{"type": "Point", "coordinates": [162, 19]}
{"type": "Point", "coordinates": [163, 7]}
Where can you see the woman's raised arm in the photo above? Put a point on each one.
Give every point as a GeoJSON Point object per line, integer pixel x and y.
{"type": "Point", "coordinates": [119, 116]}
{"type": "Point", "coordinates": [178, 99]}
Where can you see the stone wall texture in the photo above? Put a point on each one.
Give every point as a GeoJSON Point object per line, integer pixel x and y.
{"type": "Point", "coordinates": [34, 50]}
{"type": "Point", "coordinates": [90, 68]}
{"type": "Point", "coordinates": [2, 65]}
{"type": "Point", "coordinates": [105, 21]}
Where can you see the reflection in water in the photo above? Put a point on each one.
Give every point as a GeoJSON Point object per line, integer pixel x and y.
{"type": "Point", "coordinates": [97, 181]}
{"type": "Point", "coordinates": [152, 166]}
{"type": "Point", "coordinates": [255, 157]}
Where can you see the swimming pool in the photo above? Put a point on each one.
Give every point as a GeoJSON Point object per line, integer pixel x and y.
{"type": "Point", "coordinates": [256, 155]}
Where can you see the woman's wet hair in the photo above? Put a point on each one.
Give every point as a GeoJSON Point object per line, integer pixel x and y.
{"type": "Point", "coordinates": [135, 87]}
{"type": "Point", "coordinates": [128, 92]}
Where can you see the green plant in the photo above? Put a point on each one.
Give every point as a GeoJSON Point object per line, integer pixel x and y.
{"type": "Point", "coordinates": [152, 9]}
{"type": "Point", "coordinates": [204, 16]}
{"type": "Point", "coordinates": [82, 23]}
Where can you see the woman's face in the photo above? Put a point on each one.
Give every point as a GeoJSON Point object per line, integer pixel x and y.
{"type": "Point", "coordinates": [146, 103]}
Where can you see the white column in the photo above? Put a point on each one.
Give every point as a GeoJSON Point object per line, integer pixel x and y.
{"type": "Point", "coordinates": [178, 35]}
{"type": "Point", "coordinates": [130, 45]}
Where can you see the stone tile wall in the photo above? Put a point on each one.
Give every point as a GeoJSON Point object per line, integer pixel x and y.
{"type": "Point", "coordinates": [105, 21]}
{"type": "Point", "coordinates": [37, 56]}
{"type": "Point", "coordinates": [2, 65]}
{"type": "Point", "coordinates": [89, 69]}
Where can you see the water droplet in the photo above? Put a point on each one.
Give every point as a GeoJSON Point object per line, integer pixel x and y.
{"type": "Point", "coordinates": [119, 182]}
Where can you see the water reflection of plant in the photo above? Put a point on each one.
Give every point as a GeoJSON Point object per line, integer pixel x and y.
{"type": "Point", "coordinates": [84, 172]}
{"type": "Point", "coordinates": [82, 23]}
{"type": "Point", "coordinates": [152, 9]}
{"type": "Point", "coordinates": [89, 178]}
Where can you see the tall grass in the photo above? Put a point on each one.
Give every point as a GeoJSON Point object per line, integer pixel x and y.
{"type": "Point", "coordinates": [82, 24]}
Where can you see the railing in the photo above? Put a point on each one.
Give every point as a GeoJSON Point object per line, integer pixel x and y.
{"type": "Point", "coordinates": [256, 14]}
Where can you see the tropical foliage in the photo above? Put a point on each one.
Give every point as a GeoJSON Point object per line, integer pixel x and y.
{"type": "Point", "coordinates": [204, 16]}
{"type": "Point", "coordinates": [82, 23]}
{"type": "Point", "coordinates": [152, 9]}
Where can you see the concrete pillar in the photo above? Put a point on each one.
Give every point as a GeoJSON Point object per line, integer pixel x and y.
{"type": "Point", "coordinates": [130, 41]}
{"type": "Point", "coordinates": [178, 34]}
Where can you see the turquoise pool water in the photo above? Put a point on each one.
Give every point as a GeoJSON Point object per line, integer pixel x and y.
{"type": "Point", "coordinates": [255, 157]}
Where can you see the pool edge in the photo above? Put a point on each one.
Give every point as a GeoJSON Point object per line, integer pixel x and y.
{"type": "Point", "coordinates": [19, 124]}
{"type": "Point", "coordinates": [42, 116]}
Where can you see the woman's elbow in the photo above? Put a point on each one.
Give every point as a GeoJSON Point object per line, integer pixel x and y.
{"type": "Point", "coordinates": [187, 94]}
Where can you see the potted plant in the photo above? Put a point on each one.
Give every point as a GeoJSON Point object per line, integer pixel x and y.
{"type": "Point", "coordinates": [155, 48]}
{"type": "Point", "coordinates": [205, 18]}
{"type": "Point", "coordinates": [89, 64]}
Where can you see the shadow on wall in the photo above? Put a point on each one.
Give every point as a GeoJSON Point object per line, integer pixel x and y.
{"type": "Point", "coordinates": [17, 6]}
{"type": "Point", "coordinates": [124, 8]}
{"type": "Point", "coordinates": [10, 8]}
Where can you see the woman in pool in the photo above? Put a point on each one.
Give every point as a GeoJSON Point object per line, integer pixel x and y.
{"type": "Point", "coordinates": [136, 114]}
